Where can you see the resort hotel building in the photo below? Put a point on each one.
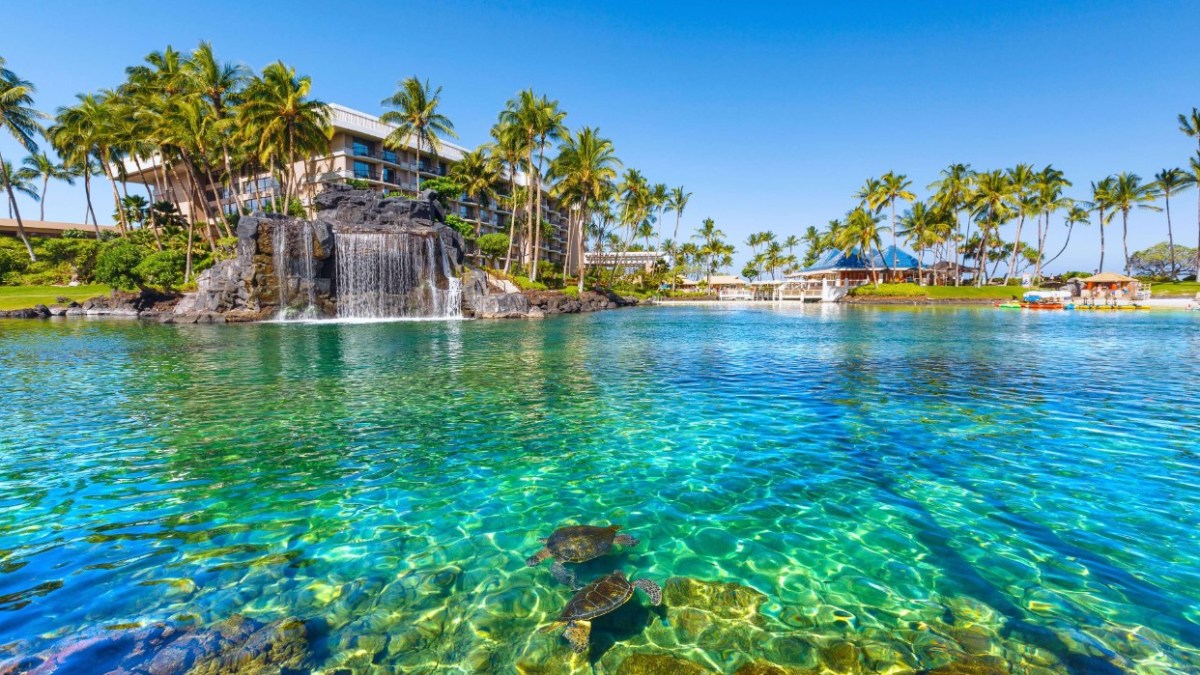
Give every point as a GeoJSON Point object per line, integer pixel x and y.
{"type": "Point", "coordinates": [357, 154]}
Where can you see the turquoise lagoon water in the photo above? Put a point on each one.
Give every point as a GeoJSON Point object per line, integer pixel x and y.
{"type": "Point", "coordinates": [907, 489]}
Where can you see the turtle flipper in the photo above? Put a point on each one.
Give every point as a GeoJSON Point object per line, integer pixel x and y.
{"type": "Point", "coordinates": [577, 634]}
{"type": "Point", "coordinates": [563, 575]}
{"type": "Point", "coordinates": [537, 558]}
{"type": "Point", "coordinates": [625, 540]}
{"type": "Point", "coordinates": [651, 589]}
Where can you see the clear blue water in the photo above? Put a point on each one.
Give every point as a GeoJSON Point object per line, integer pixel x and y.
{"type": "Point", "coordinates": [931, 486]}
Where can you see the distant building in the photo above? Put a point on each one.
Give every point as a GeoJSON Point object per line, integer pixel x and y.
{"type": "Point", "coordinates": [852, 268]}
{"type": "Point", "coordinates": [356, 152]}
{"type": "Point", "coordinates": [48, 228]}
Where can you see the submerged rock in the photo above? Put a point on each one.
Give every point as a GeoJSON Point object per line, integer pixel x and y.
{"type": "Point", "coordinates": [236, 645]}
{"type": "Point", "coordinates": [726, 600]}
{"type": "Point", "coordinates": [659, 664]}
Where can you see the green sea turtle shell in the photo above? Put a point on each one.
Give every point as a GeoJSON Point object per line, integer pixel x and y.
{"type": "Point", "coordinates": [580, 543]}
{"type": "Point", "coordinates": [598, 598]}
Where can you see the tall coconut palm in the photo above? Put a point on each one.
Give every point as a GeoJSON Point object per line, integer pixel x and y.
{"type": "Point", "coordinates": [45, 168]}
{"type": "Point", "coordinates": [1023, 180]}
{"type": "Point", "coordinates": [73, 136]}
{"type": "Point", "coordinates": [1190, 126]}
{"type": "Point", "coordinates": [1076, 215]}
{"type": "Point", "coordinates": [861, 233]}
{"type": "Point", "coordinates": [507, 146]}
{"type": "Point", "coordinates": [477, 173]}
{"type": "Point", "coordinates": [951, 195]}
{"type": "Point", "coordinates": [712, 247]}
{"type": "Point", "coordinates": [893, 187]}
{"type": "Point", "coordinates": [992, 204]}
{"type": "Point", "coordinates": [219, 85]}
{"type": "Point", "coordinates": [540, 121]}
{"type": "Point", "coordinates": [1047, 198]}
{"type": "Point", "coordinates": [416, 117]}
{"type": "Point", "coordinates": [1102, 200]}
{"type": "Point", "coordinates": [1168, 182]}
{"type": "Point", "coordinates": [1193, 178]}
{"type": "Point", "coordinates": [677, 201]}
{"type": "Point", "coordinates": [286, 124]}
{"type": "Point", "coordinates": [20, 180]}
{"type": "Point", "coordinates": [585, 169]}
{"type": "Point", "coordinates": [920, 226]}
{"type": "Point", "coordinates": [19, 119]}
{"type": "Point", "coordinates": [1129, 193]}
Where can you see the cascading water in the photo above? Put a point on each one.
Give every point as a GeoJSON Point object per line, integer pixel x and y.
{"type": "Point", "coordinates": [297, 271]}
{"type": "Point", "coordinates": [384, 275]}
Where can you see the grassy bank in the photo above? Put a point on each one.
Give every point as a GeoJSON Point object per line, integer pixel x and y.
{"type": "Point", "coordinates": [1176, 289]}
{"type": "Point", "coordinates": [938, 292]}
{"type": "Point", "coordinates": [23, 297]}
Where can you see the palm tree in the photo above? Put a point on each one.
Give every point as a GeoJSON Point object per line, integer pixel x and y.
{"type": "Point", "coordinates": [416, 116]}
{"type": "Point", "coordinates": [219, 85]}
{"type": "Point", "coordinates": [508, 149]}
{"type": "Point", "coordinates": [1190, 126]}
{"type": "Point", "coordinates": [892, 187]}
{"type": "Point", "coordinates": [814, 243]}
{"type": "Point", "coordinates": [478, 174]}
{"type": "Point", "coordinates": [1023, 180]}
{"type": "Point", "coordinates": [1193, 178]}
{"type": "Point", "coordinates": [19, 118]}
{"type": "Point", "coordinates": [1076, 215]}
{"type": "Point", "coordinates": [1170, 181]}
{"type": "Point", "coordinates": [20, 180]}
{"type": "Point", "coordinates": [538, 119]}
{"type": "Point", "coordinates": [285, 123]}
{"type": "Point", "coordinates": [585, 169]}
{"type": "Point", "coordinates": [712, 247]}
{"type": "Point", "coordinates": [919, 227]}
{"type": "Point", "coordinates": [1048, 198]}
{"type": "Point", "coordinates": [1102, 200]}
{"type": "Point", "coordinates": [861, 232]}
{"type": "Point", "coordinates": [951, 195]}
{"type": "Point", "coordinates": [991, 201]}
{"type": "Point", "coordinates": [1128, 193]}
{"type": "Point", "coordinates": [677, 201]}
{"type": "Point", "coordinates": [42, 166]}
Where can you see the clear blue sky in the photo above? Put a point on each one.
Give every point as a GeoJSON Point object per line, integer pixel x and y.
{"type": "Point", "coordinates": [771, 114]}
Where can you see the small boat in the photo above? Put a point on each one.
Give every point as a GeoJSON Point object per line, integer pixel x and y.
{"type": "Point", "coordinates": [1012, 304]}
{"type": "Point", "coordinates": [1099, 308]}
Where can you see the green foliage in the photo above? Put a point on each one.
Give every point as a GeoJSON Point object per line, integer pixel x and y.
{"type": "Point", "coordinates": [446, 188]}
{"type": "Point", "coordinates": [467, 230]}
{"type": "Point", "coordinates": [1155, 262]}
{"type": "Point", "coordinates": [116, 262]}
{"type": "Point", "coordinates": [493, 246]}
{"type": "Point", "coordinates": [12, 262]}
{"type": "Point", "coordinates": [571, 291]}
{"type": "Point", "coordinates": [358, 183]}
{"type": "Point", "coordinates": [1074, 275]}
{"type": "Point", "coordinates": [525, 284]}
{"type": "Point", "coordinates": [163, 269]}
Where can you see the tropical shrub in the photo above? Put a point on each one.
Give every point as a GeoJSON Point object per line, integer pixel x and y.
{"type": "Point", "coordinates": [1155, 262]}
{"type": "Point", "coordinates": [163, 269]}
{"type": "Point", "coordinates": [525, 284]}
{"type": "Point", "coordinates": [446, 189]}
{"type": "Point", "coordinates": [461, 226]}
{"type": "Point", "coordinates": [493, 246]}
{"type": "Point", "coordinates": [115, 264]}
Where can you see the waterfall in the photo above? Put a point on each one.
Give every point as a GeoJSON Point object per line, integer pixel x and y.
{"type": "Point", "coordinates": [394, 275]}
{"type": "Point", "coordinates": [297, 274]}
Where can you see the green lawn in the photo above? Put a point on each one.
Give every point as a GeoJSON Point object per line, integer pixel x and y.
{"type": "Point", "coordinates": [23, 297]}
{"type": "Point", "coordinates": [1175, 289]}
{"type": "Point", "coordinates": [940, 292]}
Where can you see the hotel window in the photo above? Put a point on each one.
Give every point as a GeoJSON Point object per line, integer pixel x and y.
{"type": "Point", "coordinates": [362, 170]}
{"type": "Point", "coordinates": [389, 156]}
{"type": "Point", "coordinates": [389, 175]}
{"type": "Point", "coordinates": [363, 148]}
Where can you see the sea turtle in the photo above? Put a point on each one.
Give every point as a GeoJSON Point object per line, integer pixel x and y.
{"type": "Point", "coordinates": [597, 599]}
{"type": "Point", "coordinates": [577, 543]}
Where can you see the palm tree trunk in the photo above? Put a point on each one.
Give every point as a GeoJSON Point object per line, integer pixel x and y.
{"type": "Point", "coordinates": [87, 192]}
{"type": "Point", "coordinates": [891, 275]}
{"type": "Point", "coordinates": [116, 197]}
{"type": "Point", "coordinates": [1170, 236]}
{"type": "Point", "coordinates": [46, 185]}
{"type": "Point", "coordinates": [1101, 268]}
{"type": "Point", "coordinates": [579, 247]}
{"type": "Point", "coordinates": [1125, 236]}
{"type": "Point", "coordinates": [233, 188]}
{"type": "Point", "coordinates": [512, 218]}
{"type": "Point", "coordinates": [1012, 263]}
{"type": "Point", "coordinates": [1197, 232]}
{"type": "Point", "coordinates": [212, 181]}
{"type": "Point", "coordinates": [1070, 228]}
{"type": "Point", "coordinates": [12, 201]}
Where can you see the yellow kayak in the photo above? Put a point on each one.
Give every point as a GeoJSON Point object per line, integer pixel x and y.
{"type": "Point", "coordinates": [1109, 307]}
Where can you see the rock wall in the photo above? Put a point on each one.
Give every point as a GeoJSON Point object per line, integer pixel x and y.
{"type": "Point", "coordinates": [285, 263]}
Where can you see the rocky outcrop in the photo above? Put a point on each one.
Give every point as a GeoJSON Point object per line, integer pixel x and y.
{"type": "Point", "coordinates": [287, 264]}
{"type": "Point", "coordinates": [236, 645]}
{"type": "Point", "coordinates": [146, 304]}
{"type": "Point", "coordinates": [557, 302]}
{"type": "Point", "coordinates": [503, 306]}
